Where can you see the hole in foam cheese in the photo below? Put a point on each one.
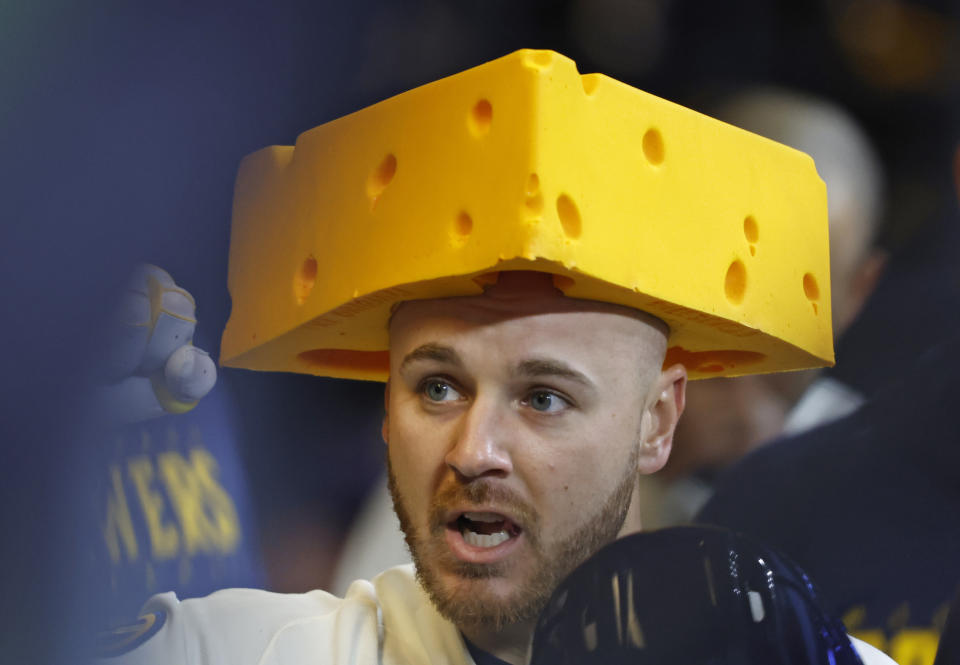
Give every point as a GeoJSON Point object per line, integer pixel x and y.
{"type": "Point", "coordinates": [481, 117]}
{"type": "Point", "coordinates": [653, 148]}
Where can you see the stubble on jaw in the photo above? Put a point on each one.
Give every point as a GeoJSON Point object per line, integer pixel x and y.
{"type": "Point", "coordinates": [468, 607]}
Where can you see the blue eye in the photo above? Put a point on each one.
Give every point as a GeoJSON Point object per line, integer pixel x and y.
{"type": "Point", "coordinates": [439, 391]}
{"type": "Point", "coordinates": [546, 402]}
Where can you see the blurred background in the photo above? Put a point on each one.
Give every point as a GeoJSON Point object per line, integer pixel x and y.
{"type": "Point", "coordinates": [121, 127]}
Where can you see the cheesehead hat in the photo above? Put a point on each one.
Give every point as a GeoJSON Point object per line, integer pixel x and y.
{"type": "Point", "coordinates": [524, 164]}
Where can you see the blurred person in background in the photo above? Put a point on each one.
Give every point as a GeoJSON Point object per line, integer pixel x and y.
{"type": "Point", "coordinates": [868, 504]}
{"type": "Point", "coordinates": [728, 417]}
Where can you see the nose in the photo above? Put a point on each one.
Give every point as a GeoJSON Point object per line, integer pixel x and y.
{"type": "Point", "coordinates": [481, 447]}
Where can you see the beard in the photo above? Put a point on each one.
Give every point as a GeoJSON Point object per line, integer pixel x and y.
{"type": "Point", "coordinates": [465, 601]}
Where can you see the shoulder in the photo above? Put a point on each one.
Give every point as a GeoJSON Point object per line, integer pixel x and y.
{"type": "Point", "coordinates": [897, 439]}
{"type": "Point", "coordinates": [846, 455]}
{"type": "Point", "coordinates": [413, 630]}
{"type": "Point", "coordinates": [236, 626]}
{"type": "Point", "coordinates": [756, 482]}
{"type": "Point", "coordinates": [388, 619]}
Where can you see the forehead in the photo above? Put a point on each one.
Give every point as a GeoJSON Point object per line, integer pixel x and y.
{"type": "Point", "coordinates": [526, 311]}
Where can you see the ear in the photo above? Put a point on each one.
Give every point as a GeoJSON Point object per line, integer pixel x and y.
{"type": "Point", "coordinates": [660, 418]}
{"type": "Point", "coordinates": [385, 426]}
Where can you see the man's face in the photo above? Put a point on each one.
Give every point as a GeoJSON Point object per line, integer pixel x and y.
{"type": "Point", "coordinates": [517, 422]}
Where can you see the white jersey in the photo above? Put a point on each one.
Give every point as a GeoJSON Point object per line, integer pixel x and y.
{"type": "Point", "coordinates": [388, 621]}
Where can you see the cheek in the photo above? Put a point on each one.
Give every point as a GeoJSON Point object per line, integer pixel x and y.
{"type": "Point", "coordinates": [585, 472]}
{"type": "Point", "coordinates": [573, 486]}
{"type": "Point", "coordinates": [404, 451]}
{"type": "Point", "coordinates": [416, 453]}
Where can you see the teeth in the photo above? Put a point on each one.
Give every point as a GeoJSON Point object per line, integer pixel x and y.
{"type": "Point", "coordinates": [483, 517]}
{"type": "Point", "coordinates": [484, 540]}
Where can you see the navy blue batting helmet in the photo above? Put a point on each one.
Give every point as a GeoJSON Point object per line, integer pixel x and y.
{"type": "Point", "coordinates": [688, 595]}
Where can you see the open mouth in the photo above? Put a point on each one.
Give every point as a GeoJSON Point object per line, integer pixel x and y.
{"type": "Point", "coordinates": [485, 530]}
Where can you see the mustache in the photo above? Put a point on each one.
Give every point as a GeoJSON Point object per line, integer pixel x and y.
{"type": "Point", "coordinates": [482, 493]}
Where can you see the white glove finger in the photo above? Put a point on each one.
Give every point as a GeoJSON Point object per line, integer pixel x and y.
{"type": "Point", "coordinates": [169, 334]}
{"type": "Point", "coordinates": [178, 302]}
{"type": "Point", "coordinates": [189, 374]}
{"type": "Point", "coordinates": [144, 272]}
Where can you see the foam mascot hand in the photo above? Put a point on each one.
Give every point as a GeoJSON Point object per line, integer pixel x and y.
{"type": "Point", "coordinates": [152, 366]}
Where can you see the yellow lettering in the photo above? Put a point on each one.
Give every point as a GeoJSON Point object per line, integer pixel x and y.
{"type": "Point", "coordinates": [899, 618]}
{"type": "Point", "coordinates": [914, 646]}
{"type": "Point", "coordinates": [164, 539]}
{"type": "Point", "coordinates": [118, 526]}
{"type": "Point", "coordinates": [226, 533]}
{"type": "Point", "coordinates": [854, 617]}
{"type": "Point", "coordinates": [185, 494]}
{"type": "Point", "coordinates": [207, 514]}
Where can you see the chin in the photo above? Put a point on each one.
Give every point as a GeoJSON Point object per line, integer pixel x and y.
{"type": "Point", "coordinates": [484, 600]}
{"type": "Point", "coordinates": [492, 590]}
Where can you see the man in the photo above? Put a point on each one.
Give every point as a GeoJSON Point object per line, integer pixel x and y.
{"type": "Point", "coordinates": [535, 361]}
{"type": "Point", "coordinates": [533, 413]}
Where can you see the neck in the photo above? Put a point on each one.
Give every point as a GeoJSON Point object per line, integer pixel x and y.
{"type": "Point", "coordinates": [510, 644]}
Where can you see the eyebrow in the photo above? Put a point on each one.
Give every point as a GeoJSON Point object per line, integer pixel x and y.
{"type": "Point", "coordinates": [531, 368]}
{"type": "Point", "coordinates": [432, 351]}
{"type": "Point", "coordinates": [537, 367]}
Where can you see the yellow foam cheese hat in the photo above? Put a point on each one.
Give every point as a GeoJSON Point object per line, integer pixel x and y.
{"type": "Point", "coordinates": [524, 164]}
